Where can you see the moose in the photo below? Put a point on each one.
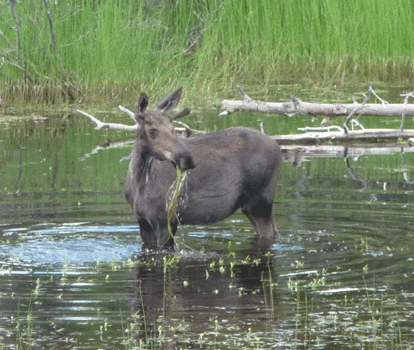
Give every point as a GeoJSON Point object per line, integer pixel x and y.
{"type": "Point", "coordinates": [233, 169]}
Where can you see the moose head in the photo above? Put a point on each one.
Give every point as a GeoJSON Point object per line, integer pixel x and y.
{"type": "Point", "coordinates": [156, 131]}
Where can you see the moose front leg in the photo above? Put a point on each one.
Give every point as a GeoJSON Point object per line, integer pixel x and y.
{"type": "Point", "coordinates": [148, 237]}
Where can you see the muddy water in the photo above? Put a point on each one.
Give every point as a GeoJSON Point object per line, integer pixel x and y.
{"type": "Point", "coordinates": [73, 275]}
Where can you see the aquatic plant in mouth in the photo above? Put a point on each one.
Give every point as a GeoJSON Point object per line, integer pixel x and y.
{"type": "Point", "coordinates": [173, 195]}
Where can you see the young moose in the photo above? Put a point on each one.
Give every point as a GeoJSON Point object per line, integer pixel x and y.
{"type": "Point", "coordinates": [227, 170]}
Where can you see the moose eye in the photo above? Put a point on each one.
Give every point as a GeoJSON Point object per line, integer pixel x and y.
{"type": "Point", "coordinates": [153, 133]}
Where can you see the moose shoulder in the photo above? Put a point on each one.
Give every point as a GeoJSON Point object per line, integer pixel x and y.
{"type": "Point", "coordinates": [227, 170]}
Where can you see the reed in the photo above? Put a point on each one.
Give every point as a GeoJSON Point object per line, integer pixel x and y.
{"type": "Point", "coordinates": [112, 47]}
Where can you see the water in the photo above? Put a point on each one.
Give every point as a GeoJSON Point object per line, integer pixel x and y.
{"type": "Point", "coordinates": [73, 275]}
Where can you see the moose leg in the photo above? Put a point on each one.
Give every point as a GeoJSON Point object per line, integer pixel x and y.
{"type": "Point", "coordinates": [263, 221]}
{"type": "Point", "coordinates": [147, 234]}
{"type": "Point", "coordinates": [156, 236]}
{"type": "Point", "coordinates": [165, 240]}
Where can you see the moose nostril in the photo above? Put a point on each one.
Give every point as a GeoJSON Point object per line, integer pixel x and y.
{"type": "Point", "coordinates": [190, 163]}
{"type": "Point", "coordinates": [186, 162]}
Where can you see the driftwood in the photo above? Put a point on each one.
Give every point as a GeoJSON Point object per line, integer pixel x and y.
{"type": "Point", "coordinates": [296, 106]}
{"type": "Point", "coordinates": [184, 129]}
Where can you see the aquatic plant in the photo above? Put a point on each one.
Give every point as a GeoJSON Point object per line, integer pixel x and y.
{"type": "Point", "coordinates": [173, 195]}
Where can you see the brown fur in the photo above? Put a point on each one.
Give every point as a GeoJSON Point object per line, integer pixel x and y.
{"type": "Point", "coordinates": [228, 170]}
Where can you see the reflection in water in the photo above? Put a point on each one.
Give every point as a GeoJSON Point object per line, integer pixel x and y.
{"type": "Point", "coordinates": [214, 301]}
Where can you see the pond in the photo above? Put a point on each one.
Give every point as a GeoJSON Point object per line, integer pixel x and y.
{"type": "Point", "coordinates": [73, 274]}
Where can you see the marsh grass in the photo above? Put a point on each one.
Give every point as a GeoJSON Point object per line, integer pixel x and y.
{"type": "Point", "coordinates": [375, 324]}
{"type": "Point", "coordinates": [25, 335]}
{"type": "Point", "coordinates": [112, 49]}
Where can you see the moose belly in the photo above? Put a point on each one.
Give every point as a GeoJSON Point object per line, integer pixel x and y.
{"type": "Point", "coordinates": [208, 209]}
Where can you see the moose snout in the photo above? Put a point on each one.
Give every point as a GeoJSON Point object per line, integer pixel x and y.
{"type": "Point", "coordinates": [184, 161]}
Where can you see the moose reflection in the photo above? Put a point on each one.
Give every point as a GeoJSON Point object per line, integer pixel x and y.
{"type": "Point", "coordinates": [181, 298]}
{"type": "Point", "coordinates": [228, 170]}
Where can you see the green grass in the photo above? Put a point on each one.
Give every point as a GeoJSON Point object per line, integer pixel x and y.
{"type": "Point", "coordinates": [113, 49]}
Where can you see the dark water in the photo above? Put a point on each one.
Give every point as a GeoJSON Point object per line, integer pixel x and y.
{"type": "Point", "coordinates": [73, 275]}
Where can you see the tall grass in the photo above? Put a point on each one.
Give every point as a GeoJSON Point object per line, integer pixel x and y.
{"type": "Point", "coordinates": [114, 47]}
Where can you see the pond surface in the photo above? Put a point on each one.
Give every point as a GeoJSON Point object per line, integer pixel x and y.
{"type": "Point", "coordinates": [73, 275]}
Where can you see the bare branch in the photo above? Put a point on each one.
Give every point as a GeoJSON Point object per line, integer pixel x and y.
{"type": "Point", "coordinates": [7, 40]}
{"type": "Point", "coordinates": [356, 123]}
{"type": "Point", "coordinates": [16, 20]}
{"type": "Point", "coordinates": [245, 96]}
{"type": "Point", "coordinates": [407, 97]}
{"type": "Point", "coordinates": [7, 60]}
{"type": "Point", "coordinates": [128, 113]}
{"type": "Point", "coordinates": [111, 126]}
{"type": "Point", "coordinates": [52, 32]}
{"type": "Point", "coordinates": [384, 103]}
{"type": "Point", "coordinates": [359, 107]}
{"type": "Point", "coordinates": [115, 126]}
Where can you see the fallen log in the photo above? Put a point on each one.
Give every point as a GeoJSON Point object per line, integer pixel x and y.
{"type": "Point", "coordinates": [296, 106]}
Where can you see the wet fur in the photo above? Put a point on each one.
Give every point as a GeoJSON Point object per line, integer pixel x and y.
{"type": "Point", "coordinates": [235, 169]}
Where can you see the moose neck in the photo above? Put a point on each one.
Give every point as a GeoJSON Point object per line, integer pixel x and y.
{"type": "Point", "coordinates": [144, 161]}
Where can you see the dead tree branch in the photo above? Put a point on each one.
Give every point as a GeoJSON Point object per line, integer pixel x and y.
{"type": "Point", "coordinates": [52, 32]}
{"type": "Point", "coordinates": [185, 129]}
{"type": "Point", "coordinates": [7, 40]}
{"type": "Point", "coordinates": [407, 97]}
{"type": "Point", "coordinates": [296, 106]}
{"type": "Point", "coordinates": [111, 126]}
{"type": "Point", "coordinates": [16, 28]}
{"type": "Point", "coordinates": [358, 108]}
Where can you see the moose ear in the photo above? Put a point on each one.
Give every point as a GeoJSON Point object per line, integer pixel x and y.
{"type": "Point", "coordinates": [143, 103]}
{"type": "Point", "coordinates": [183, 113]}
{"type": "Point", "coordinates": [171, 101]}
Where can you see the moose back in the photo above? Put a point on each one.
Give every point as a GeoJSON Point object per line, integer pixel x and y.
{"type": "Point", "coordinates": [228, 170]}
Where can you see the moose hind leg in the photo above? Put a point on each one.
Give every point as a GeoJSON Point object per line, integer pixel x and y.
{"type": "Point", "coordinates": [262, 219]}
